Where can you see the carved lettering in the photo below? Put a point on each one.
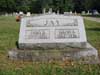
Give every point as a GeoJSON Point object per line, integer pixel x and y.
{"type": "Point", "coordinates": [66, 33]}
{"type": "Point", "coordinates": [51, 23]}
{"type": "Point", "coordinates": [37, 34]}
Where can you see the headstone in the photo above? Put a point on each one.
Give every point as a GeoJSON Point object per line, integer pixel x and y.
{"type": "Point", "coordinates": [58, 12]}
{"type": "Point", "coordinates": [71, 12]}
{"type": "Point", "coordinates": [67, 13]}
{"type": "Point", "coordinates": [52, 29]}
{"type": "Point", "coordinates": [16, 14]}
{"type": "Point", "coordinates": [40, 35]}
{"type": "Point", "coordinates": [88, 13]}
{"type": "Point", "coordinates": [50, 11]}
{"type": "Point", "coordinates": [11, 14]}
{"type": "Point", "coordinates": [21, 13]}
{"type": "Point", "coordinates": [83, 13]}
{"type": "Point", "coordinates": [28, 14]}
{"type": "Point", "coordinates": [6, 14]}
{"type": "Point", "coordinates": [75, 13]}
{"type": "Point", "coordinates": [96, 12]}
{"type": "Point", "coordinates": [44, 11]}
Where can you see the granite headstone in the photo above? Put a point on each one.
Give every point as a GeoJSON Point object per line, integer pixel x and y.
{"type": "Point", "coordinates": [52, 36]}
{"type": "Point", "coordinates": [51, 30]}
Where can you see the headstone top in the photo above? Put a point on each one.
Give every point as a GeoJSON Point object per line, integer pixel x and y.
{"type": "Point", "coordinates": [96, 12]}
{"type": "Point", "coordinates": [6, 14]}
{"type": "Point", "coordinates": [71, 12]}
{"type": "Point", "coordinates": [44, 11]}
{"type": "Point", "coordinates": [83, 13]}
{"type": "Point", "coordinates": [21, 13]}
{"type": "Point", "coordinates": [28, 14]}
{"type": "Point", "coordinates": [67, 13]}
{"type": "Point", "coordinates": [50, 11]}
{"type": "Point", "coordinates": [58, 12]}
{"type": "Point", "coordinates": [88, 13]}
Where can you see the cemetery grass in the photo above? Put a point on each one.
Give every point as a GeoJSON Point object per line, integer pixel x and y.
{"type": "Point", "coordinates": [97, 16]}
{"type": "Point", "coordinates": [9, 30]}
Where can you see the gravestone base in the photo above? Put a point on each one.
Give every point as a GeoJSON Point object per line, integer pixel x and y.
{"type": "Point", "coordinates": [88, 55]}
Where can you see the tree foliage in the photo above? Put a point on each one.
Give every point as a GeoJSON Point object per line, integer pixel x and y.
{"type": "Point", "coordinates": [36, 6]}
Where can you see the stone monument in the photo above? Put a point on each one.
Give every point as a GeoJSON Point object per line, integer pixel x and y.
{"type": "Point", "coordinates": [28, 14]}
{"type": "Point", "coordinates": [21, 13]}
{"type": "Point", "coordinates": [83, 13]}
{"type": "Point", "coordinates": [67, 13]}
{"type": "Point", "coordinates": [58, 12]}
{"type": "Point", "coordinates": [88, 13]}
{"type": "Point", "coordinates": [50, 11]}
{"type": "Point", "coordinates": [44, 11]}
{"type": "Point", "coordinates": [95, 12]}
{"type": "Point", "coordinates": [71, 12]}
{"type": "Point", "coordinates": [52, 36]}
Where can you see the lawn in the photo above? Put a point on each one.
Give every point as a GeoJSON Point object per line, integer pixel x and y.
{"type": "Point", "coordinates": [97, 16]}
{"type": "Point", "coordinates": [9, 30]}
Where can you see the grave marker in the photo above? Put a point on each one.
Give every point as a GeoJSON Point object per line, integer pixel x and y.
{"type": "Point", "coordinates": [52, 36]}
{"type": "Point", "coordinates": [28, 14]}
{"type": "Point", "coordinates": [52, 29]}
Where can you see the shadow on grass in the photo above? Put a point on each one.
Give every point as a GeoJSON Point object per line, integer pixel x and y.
{"type": "Point", "coordinates": [93, 29]}
{"type": "Point", "coordinates": [17, 44]}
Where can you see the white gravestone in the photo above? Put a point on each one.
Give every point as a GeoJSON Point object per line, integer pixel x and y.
{"type": "Point", "coordinates": [50, 11]}
{"type": "Point", "coordinates": [67, 13]}
{"type": "Point", "coordinates": [96, 12]}
{"type": "Point", "coordinates": [58, 12]}
{"type": "Point", "coordinates": [21, 13]}
{"type": "Point", "coordinates": [28, 14]}
{"type": "Point", "coordinates": [71, 12]}
{"type": "Point", "coordinates": [55, 34]}
{"type": "Point", "coordinates": [52, 29]}
{"type": "Point", "coordinates": [83, 13]}
{"type": "Point", "coordinates": [44, 11]}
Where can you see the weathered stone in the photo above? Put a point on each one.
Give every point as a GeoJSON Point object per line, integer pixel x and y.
{"type": "Point", "coordinates": [51, 31]}
{"type": "Point", "coordinates": [88, 54]}
{"type": "Point", "coordinates": [48, 37]}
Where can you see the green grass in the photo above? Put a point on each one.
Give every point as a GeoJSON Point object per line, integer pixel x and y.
{"type": "Point", "coordinates": [93, 33]}
{"type": "Point", "coordinates": [97, 16]}
{"type": "Point", "coordinates": [51, 69]}
{"type": "Point", "coordinates": [9, 31]}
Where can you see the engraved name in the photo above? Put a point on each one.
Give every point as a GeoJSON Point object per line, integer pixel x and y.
{"type": "Point", "coordinates": [37, 34]}
{"type": "Point", "coordinates": [52, 22]}
{"type": "Point", "coordinates": [66, 33]}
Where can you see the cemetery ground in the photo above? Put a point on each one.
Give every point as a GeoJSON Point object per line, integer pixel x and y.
{"type": "Point", "coordinates": [9, 31]}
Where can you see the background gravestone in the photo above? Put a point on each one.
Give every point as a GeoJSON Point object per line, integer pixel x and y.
{"type": "Point", "coordinates": [28, 14]}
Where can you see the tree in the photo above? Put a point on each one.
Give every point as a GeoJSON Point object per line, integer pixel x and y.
{"type": "Point", "coordinates": [78, 5]}
{"type": "Point", "coordinates": [23, 5]}
{"type": "Point", "coordinates": [68, 5]}
{"type": "Point", "coordinates": [37, 6]}
{"type": "Point", "coordinates": [7, 6]}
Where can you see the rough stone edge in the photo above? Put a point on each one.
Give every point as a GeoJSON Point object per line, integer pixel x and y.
{"type": "Point", "coordinates": [82, 54]}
